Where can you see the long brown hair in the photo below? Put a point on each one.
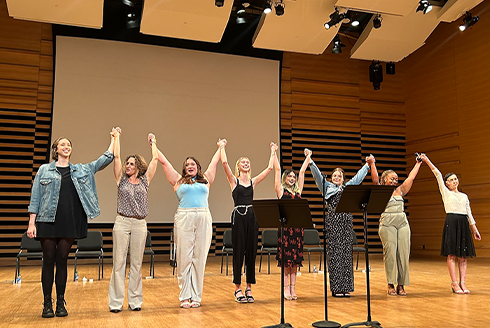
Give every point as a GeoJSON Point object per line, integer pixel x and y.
{"type": "Point", "coordinates": [140, 162]}
{"type": "Point", "coordinates": [187, 179]}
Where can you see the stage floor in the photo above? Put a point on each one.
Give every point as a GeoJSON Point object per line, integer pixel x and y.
{"type": "Point", "coordinates": [429, 303]}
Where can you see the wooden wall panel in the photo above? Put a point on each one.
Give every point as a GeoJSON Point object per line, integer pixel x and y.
{"type": "Point", "coordinates": [447, 101]}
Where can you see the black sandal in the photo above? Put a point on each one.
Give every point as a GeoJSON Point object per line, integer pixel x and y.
{"type": "Point", "coordinates": [250, 298]}
{"type": "Point", "coordinates": [337, 294]}
{"type": "Point", "coordinates": [240, 299]}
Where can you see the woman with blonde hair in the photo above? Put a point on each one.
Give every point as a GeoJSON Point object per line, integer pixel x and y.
{"type": "Point", "coordinates": [290, 186]}
{"type": "Point", "coordinates": [339, 226]}
{"type": "Point", "coordinates": [458, 227]}
{"type": "Point", "coordinates": [130, 226]}
{"type": "Point", "coordinates": [245, 230]}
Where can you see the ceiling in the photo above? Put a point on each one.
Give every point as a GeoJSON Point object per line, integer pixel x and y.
{"type": "Point", "coordinates": [299, 29]}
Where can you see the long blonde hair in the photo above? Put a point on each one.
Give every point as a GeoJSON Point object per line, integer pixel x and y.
{"type": "Point", "coordinates": [295, 189]}
{"type": "Point", "coordinates": [237, 171]}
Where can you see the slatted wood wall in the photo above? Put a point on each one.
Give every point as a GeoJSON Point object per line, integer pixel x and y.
{"type": "Point", "coordinates": [447, 105]}
{"type": "Point", "coordinates": [329, 106]}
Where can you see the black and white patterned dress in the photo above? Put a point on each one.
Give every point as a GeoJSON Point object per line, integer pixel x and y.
{"type": "Point", "coordinates": [339, 236]}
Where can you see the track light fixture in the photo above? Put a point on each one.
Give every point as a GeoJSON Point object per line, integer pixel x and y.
{"type": "Point", "coordinates": [335, 18]}
{"type": "Point", "coordinates": [468, 21]}
{"type": "Point", "coordinates": [424, 6]}
{"type": "Point", "coordinates": [390, 68]}
{"type": "Point", "coordinates": [377, 21]}
{"type": "Point", "coordinates": [219, 3]}
{"type": "Point", "coordinates": [337, 45]}
{"type": "Point", "coordinates": [376, 74]}
{"type": "Point", "coordinates": [267, 7]}
{"type": "Point", "coordinates": [279, 7]}
{"type": "Point", "coordinates": [354, 20]}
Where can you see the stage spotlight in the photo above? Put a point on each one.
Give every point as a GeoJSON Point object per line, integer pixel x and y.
{"type": "Point", "coordinates": [355, 20]}
{"type": "Point", "coordinates": [219, 3]}
{"type": "Point", "coordinates": [335, 18]}
{"type": "Point", "coordinates": [468, 21]}
{"type": "Point", "coordinates": [337, 45]}
{"type": "Point", "coordinates": [133, 20]}
{"type": "Point", "coordinates": [279, 7]}
{"type": "Point", "coordinates": [240, 16]}
{"type": "Point", "coordinates": [267, 7]}
{"type": "Point", "coordinates": [376, 74]}
{"type": "Point", "coordinates": [390, 68]}
{"type": "Point", "coordinates": [377, 21]}
{"type": "Point", "coordinates": [424, 6]}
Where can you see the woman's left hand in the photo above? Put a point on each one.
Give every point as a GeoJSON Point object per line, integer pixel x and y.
{"type": "Point", "coordinates": [476, 233]}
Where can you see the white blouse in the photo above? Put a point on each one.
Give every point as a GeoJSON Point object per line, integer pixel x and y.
{"type": "Point", "coordinates": [454, 202]}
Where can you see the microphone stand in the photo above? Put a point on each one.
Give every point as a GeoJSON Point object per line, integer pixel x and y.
{"type": "Point", "coordinates": [325, 323]}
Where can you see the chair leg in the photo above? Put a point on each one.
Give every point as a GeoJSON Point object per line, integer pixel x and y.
{"type": "Point", "coordinates": [269, 263]}
{"type": "Point", "coordinates": [99, 267]}
{"type": "Point", "coordinates": [226, 263]}
{"type": "Point", "coordinates": [309, 263]}
{"type": "Point", "coordinates": [321, 255]}
{"type": "Point", "coordinates": [16, 270]}
{"type": "Point", "coordinates": [222, 255]}
{"type": "Point", "coordinates": [153, 266]}
{"type": "Point", "coordinates": [357, 264]}
{"type": "Point", "coordinates": [102, 258]}
{"type": "Point", "coordinates": [260, 262]}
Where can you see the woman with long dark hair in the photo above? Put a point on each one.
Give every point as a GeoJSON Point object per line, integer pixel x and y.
{"type": "Point", "coordinates": [244, 228]}
{"type": "Point", "coordinates": [192, 223]}
{"type": "Point", "coordinates": [63, 196]}
{"type": "Point", "coordinates": [130, 226]}
{"type": "Point", "coordinates": [290, 186]}
{"type": "Point", "coordinates": [458, 227]}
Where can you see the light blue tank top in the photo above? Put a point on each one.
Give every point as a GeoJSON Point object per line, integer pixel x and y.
{"type": "Point", "coordinates": [193, 195]}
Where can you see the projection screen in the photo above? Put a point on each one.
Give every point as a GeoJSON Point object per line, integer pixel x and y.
{"type": "Point", "coordinates": [187, 98]}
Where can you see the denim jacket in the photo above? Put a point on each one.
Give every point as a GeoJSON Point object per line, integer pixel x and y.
{"type": "Point", "coordinates": [331, 188]}
{"type": "Point", "coordinates": [47, 184]}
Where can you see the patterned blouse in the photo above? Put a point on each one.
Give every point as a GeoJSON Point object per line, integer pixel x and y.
{"type": "Point", "coordinates": [132, 199]}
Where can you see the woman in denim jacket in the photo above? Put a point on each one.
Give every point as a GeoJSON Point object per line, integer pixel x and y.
{"type": "Point", "coordinates": [63, 196]}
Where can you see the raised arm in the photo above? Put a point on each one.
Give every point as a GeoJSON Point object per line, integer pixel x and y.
{"type": "Point", "coordinates": [360, 175]}
{"type": "Point", "coordinates": [262, 175]}
{"type": "Point", "coordinates": [302, 170]}
{"type": "Point", "coordinates": [224, 160]}
{"type": "Point", "coordinates": [152, 167]}
{"type": "Point", "coordinates": [172, 175]}
{"type": "Point", "coordinates": [116, 134]}
{"type": "Point", "coordinates": [277, 178]}
{"type": "Point", "coordinates": [374, 171]}
{"type": "Point", "coordinates": [404, 188]}
{"type": "Point", "coordinates": [210, 173]}
{"type": "Point", "coordinates": [442, 186]}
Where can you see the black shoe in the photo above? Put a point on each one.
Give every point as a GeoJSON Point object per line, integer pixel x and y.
{"type": "Point", "coordinates": [337, 294]}
{"type": "Point", "coordinates": [60, 306]}
{"type": "Point", "coordinates": [48, 307]}
{"type": "Point", "coordinates": [115, 310]}
{"type": "Point", "coordinates": [135, 309]}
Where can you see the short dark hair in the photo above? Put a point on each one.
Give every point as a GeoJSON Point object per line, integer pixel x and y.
{"type": "Point", "coordinates": [447, 175]}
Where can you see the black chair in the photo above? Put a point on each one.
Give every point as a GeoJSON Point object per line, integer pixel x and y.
{"type": "Point", "coordinates": [90, 247]}
{"type": "Point", "coordinates": [269, 245]}
{"type": "Point", "coordinates": [227, 248]}
{"type": "Point", "coordinates": [32, 250]}
{"type": "Point", "coordinates": [149, 251]}
{"type": "Point", "coordinates": [356, 247]}
{"type": "Point", "coordinates": [173, 252]}
{"type": "Point", "coordinates": [312, 245]}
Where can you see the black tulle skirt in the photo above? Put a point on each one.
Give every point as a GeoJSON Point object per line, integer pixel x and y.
{"type": "Point", "coordinates": [457, 238]}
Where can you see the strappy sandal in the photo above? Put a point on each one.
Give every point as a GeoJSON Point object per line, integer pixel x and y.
{"type": "Point", "coordinates": [240, 299]}
{"type": "Point", "coordinates": [287, 297]}
{"type": "Point", "coordinates": [294, 297]}
{"type": "Point", "coordinates": [466, 291]}
{"type": "Point", "coordinates": [391, 290]}
{"type": "Point", "coordinates": [250, 298]}
{"type": "Point", "coordinates": [347, 294]}
{"type": "Point", "coordinates": [195, 304]}
{"type": "Point", "coordinates": [456, 291]}
{"type": "Point", "coordinates": [337, 294]}
{"type": "Point", "coordinates": [185, 304]}
{"type": "Point", "coordinates": [400, 290]}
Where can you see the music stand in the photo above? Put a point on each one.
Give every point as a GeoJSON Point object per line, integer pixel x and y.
{"type": "Point", "coordinates": [282, 213]}
{"type": "Point", "coordinates": [371, 199]}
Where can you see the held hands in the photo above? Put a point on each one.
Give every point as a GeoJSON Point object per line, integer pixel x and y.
{"type": "Point", "coordinates": [116, 132]}
{"type": "Point", "coordinates": [370, 160]}
{"type": "Point", "coordinates": [151, 139]}
{"type": "Point", "coordinates": [31, 231]}
{"type": "Point", "coordinates": [423, 157]}
{"type": "Point", "coordinates": [221, 143]}
{"type": "Point", "coordinates": [273, 147]}
{"type": "Point", "coordinates": [308, 152]}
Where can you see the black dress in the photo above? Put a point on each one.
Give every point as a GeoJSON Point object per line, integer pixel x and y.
{"type": "Point", "coordinates": [293, 241]}
{"type": "Point", "coordinates": [70, 220]}
{"type": "Point", "coordinates": [339, 236]}
{"type": "Point", "coordinates": [244, 232]}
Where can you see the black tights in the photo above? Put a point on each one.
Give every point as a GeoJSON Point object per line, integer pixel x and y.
{"type": "Point", "coordinates": [55, 250]}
